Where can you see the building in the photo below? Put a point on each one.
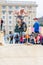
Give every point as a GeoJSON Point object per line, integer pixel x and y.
{"type": "Point", "coordinates": [7, 9]}
{"type": "Point", "coordinates": [40, 21]}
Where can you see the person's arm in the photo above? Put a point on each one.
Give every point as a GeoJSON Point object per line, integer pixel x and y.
{"type": "Point", "coordinates": [34, 25]}
{"type": "Point", "coordinates": [25, 27]}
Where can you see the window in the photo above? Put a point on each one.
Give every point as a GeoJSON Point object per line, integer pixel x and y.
{"type": "Point", "coordinates": [3, 17]}
{"type": "Point", "coordinates": [10, 7]}
{"type": "Point", "coordinates": [10, 12]}
{"type": "Point", "coordinates": [3, 12]}
{"type": "Point", "coordinates": [16, 7]}
{"type": "Point", "coordinates": [10, 17]}
{"type": "Point", "coordinates": [10, 22]}
{"type": "Point", "coordinates": [3, 7]}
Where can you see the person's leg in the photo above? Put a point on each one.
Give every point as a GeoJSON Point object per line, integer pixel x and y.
{"type": "Point", "coordinates": [16, 41]}
{"type": "Point", "coordinates": [1, 27]}
{"type": "Point", "coordinates": [42, 41]}
{"type": "Point", "coordinates": [10, 41]}
{"type": "Point", "coordinates": [20, 42]}
{"type": "Point", "coordinates": [28, 39]}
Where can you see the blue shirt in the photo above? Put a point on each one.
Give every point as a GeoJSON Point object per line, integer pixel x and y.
{"type": "Point", "coordinates": [36, 27]}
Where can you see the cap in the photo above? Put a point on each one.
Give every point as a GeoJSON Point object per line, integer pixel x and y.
{"type": "Point", "coordinates": [35, 19]}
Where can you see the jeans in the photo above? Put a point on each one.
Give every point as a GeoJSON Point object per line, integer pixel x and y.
{"type": "Point", "coordinates": [32, 41]}
{"type": "Point", "coordinates": [1, 27]}
{"type": "Point", "coordinates": [11, 41]}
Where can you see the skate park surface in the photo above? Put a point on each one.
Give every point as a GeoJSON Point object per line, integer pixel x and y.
{"type": "Point", "coordinates": [20, 54]}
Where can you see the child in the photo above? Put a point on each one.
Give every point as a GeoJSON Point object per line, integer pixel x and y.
{"type": "Point", "coordinates": [41, 39]}
{"type": "Point", "coordinates": [11, 39]}
{"type": "Point", "coordinates": [32, 39]}
{"type": "Point", "coordinates": [35, 40]}
{"type": "Point", "coordinates": [16, 38]}
{"type": "Point", "coordinates": [21, 39]}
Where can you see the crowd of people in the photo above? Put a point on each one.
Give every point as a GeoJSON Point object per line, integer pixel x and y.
{"type": "Point", "coordinates": [22, 39]}
{"type": "Point", "coordinates": [34, 38]}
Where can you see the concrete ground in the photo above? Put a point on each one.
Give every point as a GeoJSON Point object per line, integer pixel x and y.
{"type": "Point", "coordinates": [20, 54]}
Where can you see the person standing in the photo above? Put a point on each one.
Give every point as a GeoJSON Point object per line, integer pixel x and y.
{"type": "Point", "coordinates": [36, 27]}
{"type": "Point", "coordinates": [21, 39]}
{"type": "Point", "coordinates": [1, 24]}
{"type": "Point", "coordinates": [11, 37]}
{"type": "Point", "coordinates": [16, 39]}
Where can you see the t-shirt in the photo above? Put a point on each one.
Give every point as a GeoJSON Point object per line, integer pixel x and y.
{"type": "Point", "coordinates": [36, 27]}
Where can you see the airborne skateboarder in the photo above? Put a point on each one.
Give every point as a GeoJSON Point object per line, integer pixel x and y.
{"type": "Point", "coordinates": [21, 26]}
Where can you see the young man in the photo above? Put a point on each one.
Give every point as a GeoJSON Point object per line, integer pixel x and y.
{"type": "Point", "coordinates": [21, 25]}
{"type": "Point", "coordinates": [36, 25]}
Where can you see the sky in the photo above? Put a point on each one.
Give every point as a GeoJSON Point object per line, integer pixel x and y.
{"type": "Point", "coordinates": [39, 8]}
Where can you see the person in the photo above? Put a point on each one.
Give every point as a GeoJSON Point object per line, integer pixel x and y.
{"type": "Point", "coordinates": [21, 25]}
{"type": "Point", "coordinates": [16, 38]}
{"type": "Point", "coordinates": [35, 40]}
{"type": "Point", "coordinates": [11, 37]}
{"type": "Point", "coordinates": [21, 39]}
{"type": "Point", "coordinates": [25, 39]}
{"type": "Point", "coordinates": [1, 24]}
{"type": "Point", "coordinates": [38, 39]}
{"type": "Point", "coordinates": [32, 33]}
{"type": "Point", "coordinates": [41, 39]}
{"type": "Point", "coordinates": [36, 26]}
{"type": "Point", "coordinates": [32, 39]}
